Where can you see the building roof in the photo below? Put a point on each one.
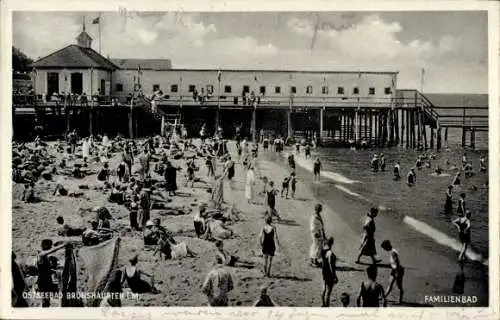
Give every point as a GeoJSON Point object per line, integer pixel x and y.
{"type": "Point", "coordinates": [313, 71]}
{"type": "Point", "coordinates": [144, 64]}
{"type": "Point", "coordinates": [74, 56]}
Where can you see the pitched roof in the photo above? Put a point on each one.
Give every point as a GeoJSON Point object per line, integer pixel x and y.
{"type": "Point", "coordinates": [74, 56]}
{"type": "Point", "coordinates": [145, 64]}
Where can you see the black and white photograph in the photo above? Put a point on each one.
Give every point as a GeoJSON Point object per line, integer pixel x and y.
{"type": "Point", "coordinates": [326, 159]}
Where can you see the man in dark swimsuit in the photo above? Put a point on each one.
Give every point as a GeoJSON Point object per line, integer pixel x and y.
{"type": "Point", "coordinates": [371, 291]}
{"type": "Point", "coordinates": [329, 271]}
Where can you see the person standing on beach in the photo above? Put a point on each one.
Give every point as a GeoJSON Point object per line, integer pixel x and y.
{"type": "Point", "coordinates": [371, 291]}
{"type": "Point", "coordinates": [128, 158]}
{"type": "Point", "coordinates": [144, 160]}
{"type": "Point", "coordinates": [217, 285]}
{"type": "Point", "coordinates": [367, 247]}
{"type": "Point", "coordinates": [461, 204]}
{"type": "Point", "coordinates": [144, 206]}
{"type": "Point", "coordinates": [397, 270]}
{"type": "Point", "coordinates": [318, 236]}
{"type": "Point", "coordinates": [329, 271]}
{"type": "Point", "coordinates": [463, 226]}
{"type": "Point", "coordinates": [382, 162]}
{"type": "Point", "coordinates": [411, 178]}
{"type": "Point", "coordinates": [271, 200]}
{"type": "Point", "coordinates": [293, 184]}
{"type": "Point", "coordinates": [285, 186]}
{"type": "Point", "coordinates": [250, 185]}
{"type": "Point", "coordinates": [45, 282]}
{"type": "Point", "coordinates": [229, 169]}
{"type": "Point", "coordinates": [448, 204]}
{"type": "Point", "coordinates": [268, 241]}
{"type": "Point", "coordinates": [317, 170]}
{"type": "Point", "coordinates": [397, 171]}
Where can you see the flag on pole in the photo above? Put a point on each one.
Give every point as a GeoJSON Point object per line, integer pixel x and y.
{"type": "Point", "coordinates": [96, 20]}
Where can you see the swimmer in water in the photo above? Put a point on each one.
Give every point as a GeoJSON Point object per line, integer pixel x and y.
{"type": "Point", "coordinates": [411, 178]}
{"type": "Point", "coordinates": [448, 204]}
{"type": "Point", "coordinates": [463, 226]}
{"type": "Point", "coordinates": [397, 171]}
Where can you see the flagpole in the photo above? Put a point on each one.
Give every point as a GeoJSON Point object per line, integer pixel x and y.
{"type": "Point", "coordinates": [99, 33]}
{"type": "Point", "coordinates": [422, 80]}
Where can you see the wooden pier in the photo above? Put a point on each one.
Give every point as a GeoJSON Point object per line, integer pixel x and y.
{"type": "Point", "coordinates": [408, 119]}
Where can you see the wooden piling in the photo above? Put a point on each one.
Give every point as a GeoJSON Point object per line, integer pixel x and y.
{"type": "Point", "coordinates": [91, 121]}
{"type": "Point", "coordinates": [131, 121]}
{"type": "Point", "coordinates": [438, 142]}
{"type": "Point", "coordinates": [424, 131]}
{"type": "Point", "coordinates": [365, 120]}
{"type": "Point", "coordinates": [396, 127]}
{"type": "Point", "coordinates": [464, 130]}
{"type": "Point", "coordinates": [419, 127]}
{"type": "Point", "coordinates": [371, 126]}
{"type": "Point", "coordinates": [446, 135]}
{"type": "Point", "coordinates": [473, 139]}
{"type": "Point", "coordinates": [407, 129]}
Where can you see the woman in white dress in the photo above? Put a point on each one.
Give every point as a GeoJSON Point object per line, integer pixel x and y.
{"type": "Point", "coordinates": [86, 148]}
{"type": "Point", "coordinates": [250, 185]}
{"type": "Point", "coordinates": [318, 236]}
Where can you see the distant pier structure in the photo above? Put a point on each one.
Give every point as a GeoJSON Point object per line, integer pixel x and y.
{"type": "Point", "coordinates": [77, 88]}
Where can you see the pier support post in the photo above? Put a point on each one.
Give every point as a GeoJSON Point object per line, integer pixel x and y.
{"type": "Point", "coordinates": [289, 123]}
{"type": "Point", "coordinates": [162, 128]}
{"type": "Point", "coordinates": [432, 138]}
{"type": "Point", "coordinates": [473, 139]}
{"type": "Point", "coordinates": [438, 142]}
{"type": "Point", "coordinates": [446, 135]}
{"type": "Point", "coordinates": [254, 125]}
{"type": "Point", "coordinates": [91, 121]}
{"type": "Point", "coordinates": [419, 128]}
{"type": "Point", "coordinates": [407, 129]}
{"type": "Point", "coordinates": [321, 111]}
{"type": "Point", "coordinates": [464, 133]}
{"type": "Point", "coordinates": [131, 121]}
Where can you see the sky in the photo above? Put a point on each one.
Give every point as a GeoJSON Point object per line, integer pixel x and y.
{"type": "Point", "coordinates": [450, 46]}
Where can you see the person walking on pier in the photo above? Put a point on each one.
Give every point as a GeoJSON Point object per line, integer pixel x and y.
{"type": "Point", "coordinates": [367, 247]}
{"type": "Point", "coordinates": [318, 236]}
{"type": "Point", "coordinates": [268, 241]}
{"type": "Point", "coordinates": [329, 271]}
{"type": "Point", "coordinates": [317, 170]}
{"type": "Point", "coordinates": [463, 226]}
{"type": "Point", "coordinates": [397, 270]}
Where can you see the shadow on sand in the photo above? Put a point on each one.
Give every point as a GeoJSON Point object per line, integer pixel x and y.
{"type": "Point", "coordinates": [288, 222]}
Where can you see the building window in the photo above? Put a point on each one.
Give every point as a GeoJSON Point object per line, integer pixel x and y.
{"type": "Point", "coordinates": [227, 89]}
{"type": "Point", "coordinates": [277, 89]}
{"type": "Point", "coordinates": [119, 87]}
{"type": "Point", "coordinates": [174, 88]}
{"type": "Point", "coordinates": [309, 89]}
{"type": "Point", "coordinates": [246, 89]}
{"type": "Point", "coordinates": [324, 90]}
{"type": "Point", "coordinates": [192, 88]}
{"type": "Point", "coordinates": [340, 90]}
{"type": "Point", "coordinates": [371, 91]}
{"type": "Point", "coordinates": [355, 90]}
{"type": "Point", "coordinates": [387, 90]}
{"type": "Point", "coordinates": [156, 87]}
{"type": "Point", "coordinates": [262, 90]}
{"type": "Point", "coordinates": [210, 89]}
{"type": "Point", "coordinates": [293, 89]}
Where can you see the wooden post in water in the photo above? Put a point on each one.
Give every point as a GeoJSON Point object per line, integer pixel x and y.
{"type": "Point", "coordinates": [438, 142]}
{"type": "Point", "coordinates": [419, 127]}
{"type": "Point", "coordinates": [375, 127]}
{"type": "Point", "coordinates": [371, 127]}
{"type": "Point", "coordinates": [130, 120]}
{"type": "Point", "coordinates": [463, 128]}
{"type": "Point", "coordinates": [67, 114]}
{"type": "Point", "coordinates": [432, 138]}
{"type": "Point", "coordinates": [446, 135]}
{"type": "Point", "coordinates": [473, 139]}
{"type": "Point", "coordinates": [425, 131]}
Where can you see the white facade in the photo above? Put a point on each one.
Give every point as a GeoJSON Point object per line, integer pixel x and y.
{"type": "Point", "coordinates": [92, 79]}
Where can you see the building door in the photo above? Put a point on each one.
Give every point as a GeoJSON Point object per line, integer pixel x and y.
{"type": "Point", "coordinates": [77, 82]}
{"type": "Point", "coordinates": [52, 83]}
{"type": "Point", "coordinates": [103, 87]}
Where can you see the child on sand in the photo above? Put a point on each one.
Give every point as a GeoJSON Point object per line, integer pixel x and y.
{"type": "Point", "coordinates": [29, 193]}
{"type": "Point", "coordinates": [268, 242]}
{"type": "Point", "coordinates": [66, 230]}
{"type": "Point", "coordinates": [397, 270]}
{"type": "Point", "coordinates": [271, 200]}
{"type": "Point", "coordinates": [371, 291]}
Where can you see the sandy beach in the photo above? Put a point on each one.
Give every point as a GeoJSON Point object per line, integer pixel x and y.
{"type": "Point", "coordinates": [294, 281]}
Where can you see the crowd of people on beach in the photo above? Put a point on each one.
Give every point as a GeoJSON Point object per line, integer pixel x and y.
{"type": "Point", "coordinates": [156, 179]}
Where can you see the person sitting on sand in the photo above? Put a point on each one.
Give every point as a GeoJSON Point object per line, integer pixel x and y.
{"type": "Point", "coordinates": [217, 285]}
{"type": "Point", "coordinates": [264, 299]}
{"type": "Point", "coordinates": [397, 270]}
{"type": "Point", "coordinates": [463, 226]}
{"type": "Point", "coordinates": [329, 271]}
{"type": "Point", "coordinates": [345, 299]}
{"type": "Point", "coordinates": [230, 260]}
{"type": "Point", "coordinates": [448, 204]}
{"type": "Point", "coordinates": [368, 247]}
{"type": "Point", "coordinates": [103, 174]}
{"type": "Point", "coordinates": [199, 221]}
{"type": "Point", "coordinates": [268, 242]}
{"type": "Point", "coordinates": [117, 194]}
{"type": "Point", "coordinates": [411, 178]}
{"type": "Point", "coordinates": [285, 187]}
{"type": "Point", "coordinates": [132, 275]}
{"type": "Point", "coordinates": [29, 193]}
{"type": "Point", "coordinates": [271, 200]}
{"type": "Point", "coordinates": [121, 170]}
{"type": "Point", "coordinates": [45, 281]}
{"type": "Point", "coordinates": [371, 291]}
{"type": "Point", "coordinates": [94, 235]}
{"type": "Point", "coordinates": [66, 230]}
